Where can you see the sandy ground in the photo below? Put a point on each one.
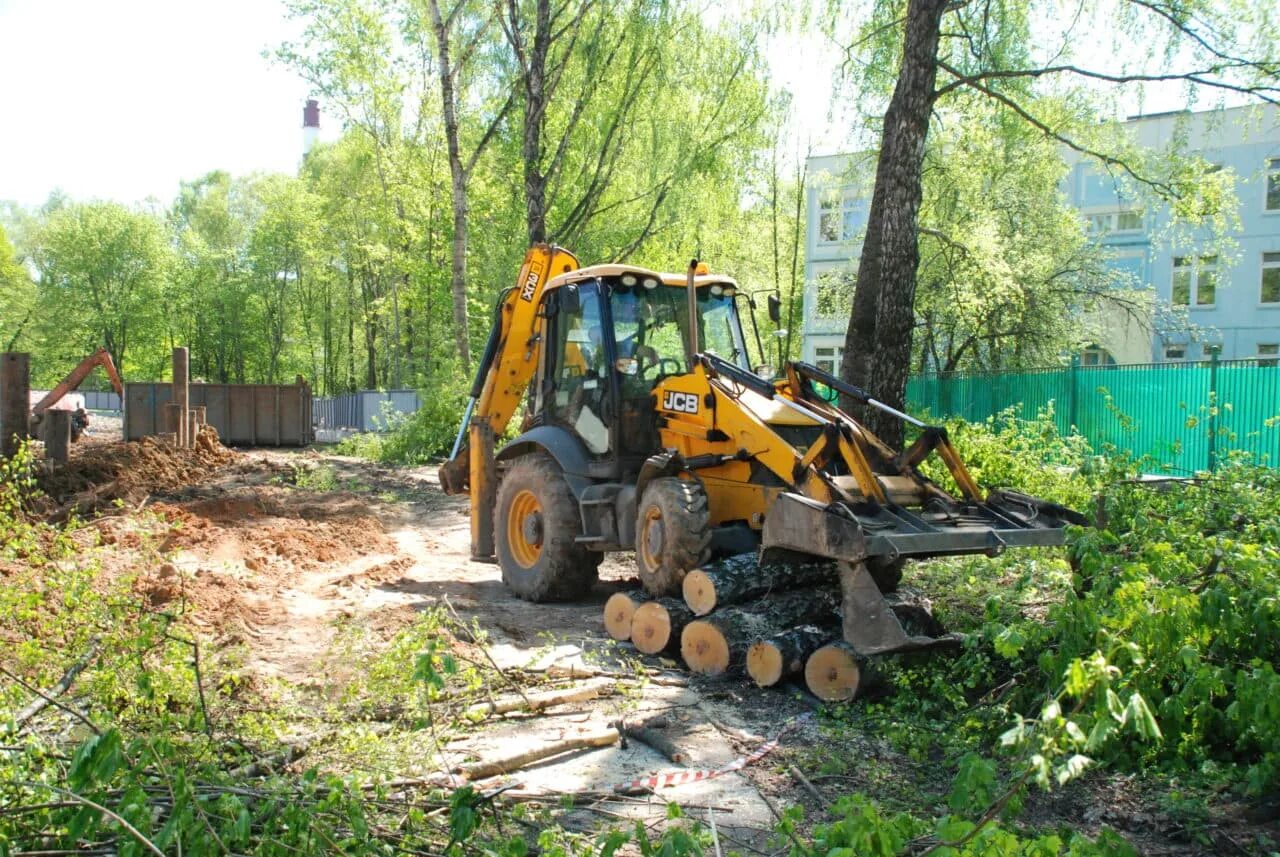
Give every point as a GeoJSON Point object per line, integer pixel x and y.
{"type": "Point", "coordinates": [254, 560]}
{"type": "Point", "coordinates": [276, 552]}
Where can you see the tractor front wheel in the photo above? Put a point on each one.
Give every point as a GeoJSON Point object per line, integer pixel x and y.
{"type": "Point", "coordinates": [536, 523]}
{"type": "Point", "coordinates": [673, 533]}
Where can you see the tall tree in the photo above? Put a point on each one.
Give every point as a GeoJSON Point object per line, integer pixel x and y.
{"type": "Point", "coordinates": [467, 30]}
{"type": "Point", "coordinates": [17, 296]}
{"type": "Point", "coordinates": [101, 267]}
{"type": "Point", "coordinates": [987, 47]}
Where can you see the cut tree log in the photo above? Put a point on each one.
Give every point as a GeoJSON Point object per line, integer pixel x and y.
{"type": "Point", "coordinates": [741, 577]}
{"type": "Point", "coordinates": [836, 673]}
{"type": "Point", "coordinates": [656, 625]}
{"type": "Point", "coordinates": [714, 644]}
{"type": "Point", "coordinates": [781, 655]}
{"type": "Point", "coordinates": [619, 611]}
{"type": "Point", "coordinates": [516, 761]}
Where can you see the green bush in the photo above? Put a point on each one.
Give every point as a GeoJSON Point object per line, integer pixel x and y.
{"type": "Point", "coordinates": [420, 437]}
{"type": "Point", "coordinates": [1178, 592]}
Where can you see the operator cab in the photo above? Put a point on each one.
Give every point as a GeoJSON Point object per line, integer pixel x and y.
{"type": "Point", "coordinates": [611, 334]}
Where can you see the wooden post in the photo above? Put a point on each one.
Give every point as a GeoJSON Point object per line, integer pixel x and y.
{"type": "Point", "coordinates": [182, 392]}
{"type": "Point", "coordinates": [15, 401]}
{"type": "Point", "coordinates": [55, 431]}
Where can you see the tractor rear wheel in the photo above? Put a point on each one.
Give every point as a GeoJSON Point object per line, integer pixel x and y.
{"type": "Point", "coordinates": [536, 522]}
{"type": "Point", "coordinates": [673, 533]}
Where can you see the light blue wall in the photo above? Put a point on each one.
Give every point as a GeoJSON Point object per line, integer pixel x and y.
{"type": "Point", "coordinates": [1240, 139]}
{"type": "Point", "coordinates": [1242, 142]}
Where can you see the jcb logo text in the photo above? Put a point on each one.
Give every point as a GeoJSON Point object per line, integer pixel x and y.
{"type": "Point", "coordinates": [684, 403]}
{"type": "Point", "coordinates": [530, 283]}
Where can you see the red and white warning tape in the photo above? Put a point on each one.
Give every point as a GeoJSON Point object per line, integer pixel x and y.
{"type": "Point", "coordinates": [670, 779]}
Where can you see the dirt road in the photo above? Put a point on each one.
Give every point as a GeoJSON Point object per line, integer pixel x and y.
{"type": "Point", "coordinates": [279, 551]}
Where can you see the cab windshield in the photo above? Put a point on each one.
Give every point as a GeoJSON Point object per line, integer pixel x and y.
{"type": "Point", "coordinates": [649, 327]}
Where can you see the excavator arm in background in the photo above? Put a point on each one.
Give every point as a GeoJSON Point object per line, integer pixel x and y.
{"type": "Point", "coordinates": [76, 376]}
{"type": "Point", "coordinates": [509, 363]}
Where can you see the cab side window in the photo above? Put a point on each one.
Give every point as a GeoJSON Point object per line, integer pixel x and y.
{"type": "Point", "coordinates": [579, 384]}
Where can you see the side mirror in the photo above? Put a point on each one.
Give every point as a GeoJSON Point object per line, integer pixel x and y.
{"type": "Point", "coordinates": [775, 309]}
{"type": "Point", "coordinates": [570, 300]}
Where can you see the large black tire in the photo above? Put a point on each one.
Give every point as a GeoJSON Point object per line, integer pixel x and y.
{"type": "Point", "coordinates": [536, 522]}
{"type": "Point", "coordinates": [673, 533]}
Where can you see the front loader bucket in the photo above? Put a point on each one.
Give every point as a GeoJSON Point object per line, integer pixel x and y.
{"type": "Point", "coordinates": [885, 533]}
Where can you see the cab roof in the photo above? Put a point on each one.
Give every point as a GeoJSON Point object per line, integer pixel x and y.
{"type": "Point", "coordinates": [591, 272]}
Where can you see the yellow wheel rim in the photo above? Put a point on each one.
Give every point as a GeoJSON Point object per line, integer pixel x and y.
{"type": "Point", "coordinates": [524, 528]}
{"type": "Point", "coordinates": [651, 539]}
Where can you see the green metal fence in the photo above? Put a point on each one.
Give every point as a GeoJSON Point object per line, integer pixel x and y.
{"type": "Point", "coordinates": [1162, 410]}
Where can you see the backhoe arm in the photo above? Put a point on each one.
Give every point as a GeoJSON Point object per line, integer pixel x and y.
{"type": "Point", "coordinates": [76, 376]}
{"type": "Point", "coordinates": [509, 363]}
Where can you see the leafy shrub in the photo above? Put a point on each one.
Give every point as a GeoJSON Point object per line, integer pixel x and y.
{"type": "Point", "coordinates": [421, 436]}
{"type": "Point", "coordinates": [1178, 591]}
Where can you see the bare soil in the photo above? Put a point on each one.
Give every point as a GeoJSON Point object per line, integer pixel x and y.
{"type": "Point", "coordinates": [229, 541]}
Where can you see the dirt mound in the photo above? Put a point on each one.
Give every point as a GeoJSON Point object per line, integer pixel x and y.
{"type": "Point", "coordinates": [266, 529]}
{"type": "Point", "coordinates": [99, 474]}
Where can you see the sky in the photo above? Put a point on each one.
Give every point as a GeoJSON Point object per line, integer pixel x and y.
{"type": "Point", "coordinates": [124, 99]}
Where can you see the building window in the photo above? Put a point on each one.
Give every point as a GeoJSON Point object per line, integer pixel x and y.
{"type": "Point", "coordinates": [839, 219]}
{"type": "Point", "coordinates": [833, 295]}
{"type": "Point", "coordinates": [1267, 353]}
{"type": "Point", "coordinates": [1270, 278]}
{"type": "Point", "coordinates": [1273, 184]}
{"type": "Point", "coordinates": [1096, 355]}
{"type": "Point", "coordinates": [1195, 280]}
{"type": "Point", "coordinates": [1128, 221]}
{"type": "Point", "coordinates": [1175, 352]}
{"type": "Point", "coordinates": [828, 359]}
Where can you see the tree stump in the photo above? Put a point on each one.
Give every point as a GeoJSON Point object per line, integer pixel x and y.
{"type": "Point", "coordinates": [55, 431]}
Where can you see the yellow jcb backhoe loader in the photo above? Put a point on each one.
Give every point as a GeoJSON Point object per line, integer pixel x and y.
{"type": "Point", "coordinates": [646, 428]}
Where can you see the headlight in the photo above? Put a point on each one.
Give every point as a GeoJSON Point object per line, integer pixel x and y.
{"type": "Point", "coordinates": [717, 291]}
{"type": "Point", "coordinates": [628, 279]}
{"type": "Point", "coordinates": [650, 283]}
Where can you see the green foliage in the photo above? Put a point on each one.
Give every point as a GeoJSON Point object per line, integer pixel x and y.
{"type": "Point", "coordinates": [420, 437]}
{"type": "Point", "coordinates": [1158, 647]}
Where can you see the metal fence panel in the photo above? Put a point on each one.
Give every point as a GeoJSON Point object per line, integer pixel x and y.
{"type": "Point", "coordinates": [1186, 416]}
{"type": "Point", "coordinates": [101, 400]}
{"type": "Point", "coordinates": [243, 414]}
{"type": "Point", "coordinates": [364, 410]}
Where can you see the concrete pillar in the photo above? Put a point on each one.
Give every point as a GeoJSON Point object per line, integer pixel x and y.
{"type": "Point", "coordinates": [55, 431]}
{"type": "Point", "coordinates": [181, 393]}
{"type": "Point", "coordinates": [172, 421]}
{"type": "Point", "coordinates": [15, 401]}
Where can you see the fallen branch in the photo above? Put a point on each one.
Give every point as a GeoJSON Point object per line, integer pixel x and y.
{"type": "Point", "coordinates": [270, 764]}
{"type": "Point", "coordinates": [800, 778]}
{"type": "Point", "coordinates": [537, 701]}
{"type": "Point", "coordinates": [649, 733]}
{"type": "Point", "coordinates": [129, 828]}
{"type": "Point", "coordinates": [49, 697]}
{"type": "Point", "coordinates": [508, 764]}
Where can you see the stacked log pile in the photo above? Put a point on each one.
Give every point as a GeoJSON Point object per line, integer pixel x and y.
{"type": "Point", "coordinates": [775, 621]}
